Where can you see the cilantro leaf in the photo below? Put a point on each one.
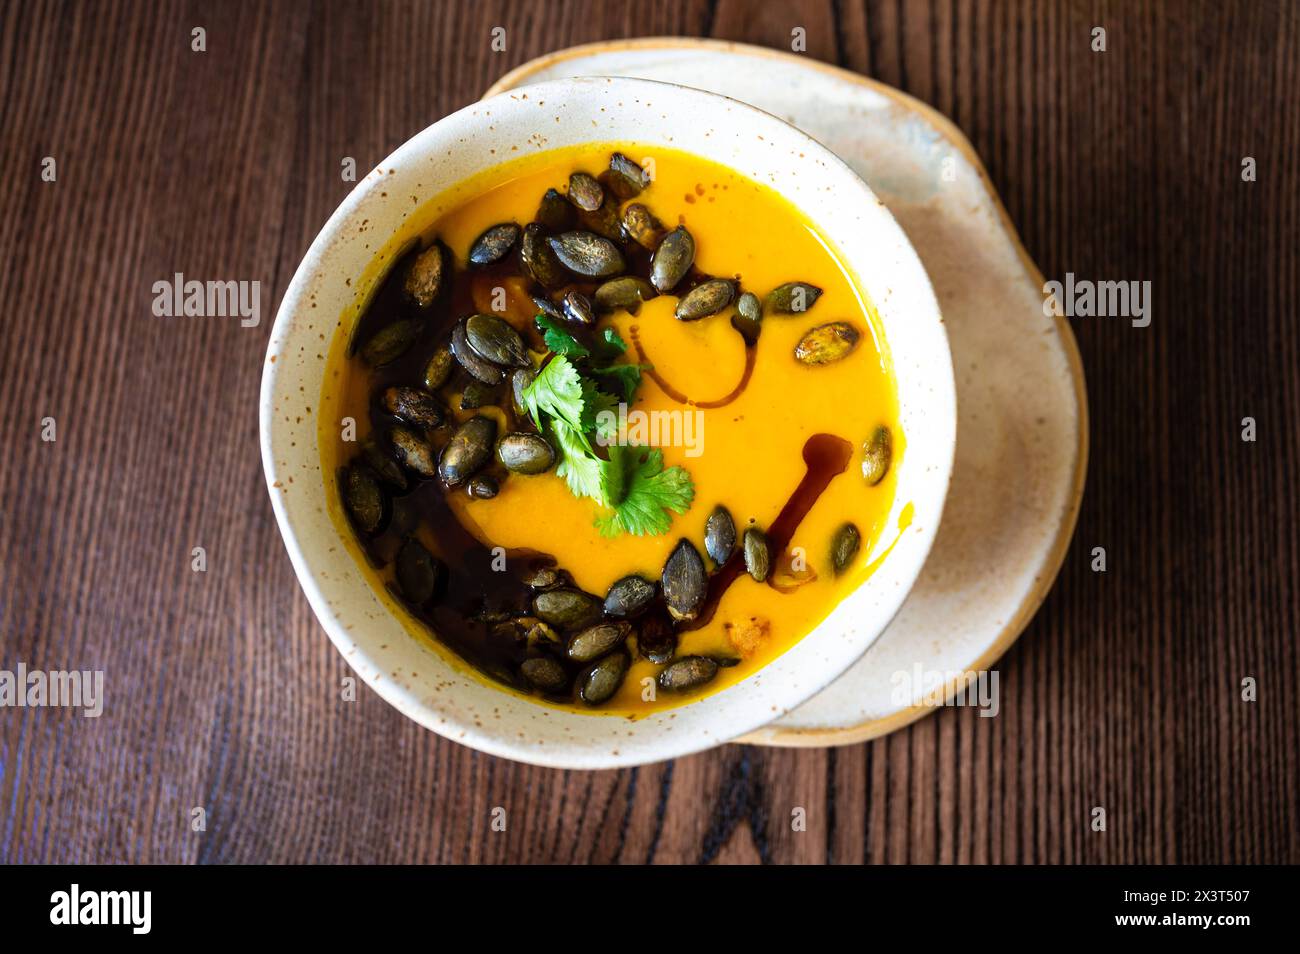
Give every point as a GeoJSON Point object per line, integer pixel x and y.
{"type": "Point", "coordinates": [649, 492]}
{"type": "Point", "coordinates": [558, 391]}
{"type": "Point", "coordinates": [626, 377]}
{"type": "Point", "coordinates": [558, 339]}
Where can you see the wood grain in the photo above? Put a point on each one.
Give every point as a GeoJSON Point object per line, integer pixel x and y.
{"type": "Point", "coordinates": [223, 691]}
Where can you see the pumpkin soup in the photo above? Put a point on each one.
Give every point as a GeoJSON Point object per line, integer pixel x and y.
{"type": "Point", "coordinates": [618, 430]}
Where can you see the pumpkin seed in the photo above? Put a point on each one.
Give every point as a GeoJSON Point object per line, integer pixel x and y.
{"type": "Point", "coordinates": [525, 454]}
{"type": "Point", "coordinates": [578, 308]}
{"type": "Point", "coordinates": [793, 298]}
{"type": "Point", "coordinates": [624, 293]}
{"type": "Point", "coordinates": [390, 342]}
{"type": "Point", "coordinates": [758, 554]}
{"type": "Point", "coordinates": [496, 340]}
{"type": "Point", "coordinates": [412, 451]}
{"type": "Point", "coordinates": [548, 307]}
{"type": "Point", "coordinates": [467, 451]}
{"type": "Point", "coordinates": [385, 468]}
{"type": "Point", "coordinates": [629, 596]}
{"type": "Point", "coordinates": [483, 488]}
{"type": "Point", "coordinates": [555, 213]}
{"type": "Point", "coordinates": [877, 453]}
{"type": "Point", "coordinates": [706, 298]}
{"type": "Point", "coordinates": [541, 575]}
{"type": "Point", "coordinates": [604, 221]}
{"type": "Point", "coordinates": [685, 583]}
{"type": "Point", "coordinates": [519, 382]}
{"type": "Point", "coordinates": [477, 395]}
{"type": "Point", "coordinates": [471, 360]}
{"type": "Point", "coordinates": [626, 178]}
{"type": "Point", "coordinates": [567, 608]}
{"type": "Point", "coordinates": [494, 244]}
{"type": "Point", "coordinates": [720, 535]}
{"type": "Point", "coordinates": [599, 681]}
{"type": "Point", "coordinates": [539, 259]}
{"type": "Point", "coordinates": [404, 517]}
{"type": "Point", "coordinates": [418, 572]}
{"type": "Point", "coordinates": [587, 255]}
{"type": "Point", "coordinates": [672, 259]}
{"type": "Point", "coordinates": [844, 547]}
{"type": "Point", "coordinates": [656, 640]}
{"type": "Point", "coordinates": [748, 317]}
{"type": "Point", "coordinates": [585, 192]}
{"type": "Point", "coordinates": [827, 343]}
{"type": "Point", "coordinates": [363, 498]}
{"type": "Point", "coordinates": [413, 406]}
{"type": "Point", "coordinates": [424, 278]}
{"type": "Point", "coordinates": [640, 225]}
{"type": "Point", "coordinates": [544, 673]}
{"type": "Point", "coordinates": [594, 641]}
{"type": "Point", "coordinates": [438, 370]}
{"type": "Point", "coordinates": [689, 672]}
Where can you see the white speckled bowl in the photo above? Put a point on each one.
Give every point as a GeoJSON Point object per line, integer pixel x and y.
{"type": "Point", "coordinates": [444, 696]}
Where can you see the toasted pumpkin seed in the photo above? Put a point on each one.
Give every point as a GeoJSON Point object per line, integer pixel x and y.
{"type": "Point", "coordinates": [390, 342]}
{"type": "Point", "coordinates": [467, 451]}
{"type": "Point", "coordinates": [720, 535]}
{"type": "Point", "coordinates": [827, 343]}
{"type": "Point", "coordinates": [424, 277]}
{"type": "Point", "coordinates": [494, 244]}
{"type": "Point", "coordinates": [706, 298]}
{"type": "Point", "coordinates": [672, 259]}
{"type": "Point", "coordinates": [567, 608]}
{"type": "Point", "coordinates": [578, 307]}
{"type": "Point", "coordinates": [656, 640]}
{"type": "Point", "coordinates": [640, 225]}
{"type": "Point", "coordinates": [519, 382]}
{"type": "Point", "coordinates": [413, 406]}
{"type": "Point", "coordinates": [471, 360]}
{"type": "Point", "coordinates": [385, 468]}
{"type": "Point", "coordinates": [548, 307]}
{"type": "Point", "coordinates": [844, 547]}
{"type": "Point", "coordinates": [585, 192]}
{"type": "Point", "coordinates": [877, 453]}
{"type": "Point", "coordinates": [539, 260]}
{"type": "Point", "coordinates": [477, 395]}
{"type": "Point", "coordinates": [689, 672]}
{"type": "Point", "coordinates": [555, 213]}
{"type": "Point", "coordinates": [793, 298]}
{"type": "Point", "coordinates": [544, 673]}
{"type": "Point", "coordinates": [412, 451]}
{"type": "Point", "coordinates": [626, 293]}
{"type": "Point", "coordinates": [594, 641]}
{"type": "Point", "coordinates": [629, 596]}
{"type": "Point", "coordinates": [525, 453]}
{"type": "Point", "coordinates": [483, 487]}
{"type": "Point", "coordinates": [626, 178]}
{"type": "Point", "coordinates": [418, 572]}
{"type": "Point", "coordinates": [438, 370]}
{"type": "Point", "coordinates": [758, 554]}
{"type": "Point", "coordinates": [363, 498]}
{"type": "Point", "coordinates": [599, 681]}
{"type": "Point", "coordinates": [587, 255]}
{"type": "Point", "coordinates": [685, 583]}
{"type": "Point", "coordinates": [496, 340]}
{"type": "Point", "coordinates": [748, 319]}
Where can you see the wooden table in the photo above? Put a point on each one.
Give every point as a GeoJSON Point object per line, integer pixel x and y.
{"type": "Point", "coordinates": [223, 691]}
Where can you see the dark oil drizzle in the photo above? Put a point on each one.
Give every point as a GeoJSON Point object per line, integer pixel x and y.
{"type": "Point", "coordinates": [751, 352]}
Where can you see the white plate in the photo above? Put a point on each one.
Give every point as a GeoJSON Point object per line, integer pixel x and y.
{"type": "Point", "coordinates": [1022, 430]}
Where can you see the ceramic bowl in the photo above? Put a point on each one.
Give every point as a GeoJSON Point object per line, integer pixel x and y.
{"type": "Point", "coordinates": [429, 686]}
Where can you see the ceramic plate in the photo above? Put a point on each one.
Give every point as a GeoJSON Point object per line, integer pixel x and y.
{"type": "Point", "coordinates": [1022, 431]}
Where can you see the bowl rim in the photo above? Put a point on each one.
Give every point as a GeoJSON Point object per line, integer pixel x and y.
{"type": "Point", "coordinates": [406, 699]}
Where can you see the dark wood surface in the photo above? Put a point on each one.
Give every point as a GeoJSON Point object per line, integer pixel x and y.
{"type": "Point", "coordinates": [223, 690]}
